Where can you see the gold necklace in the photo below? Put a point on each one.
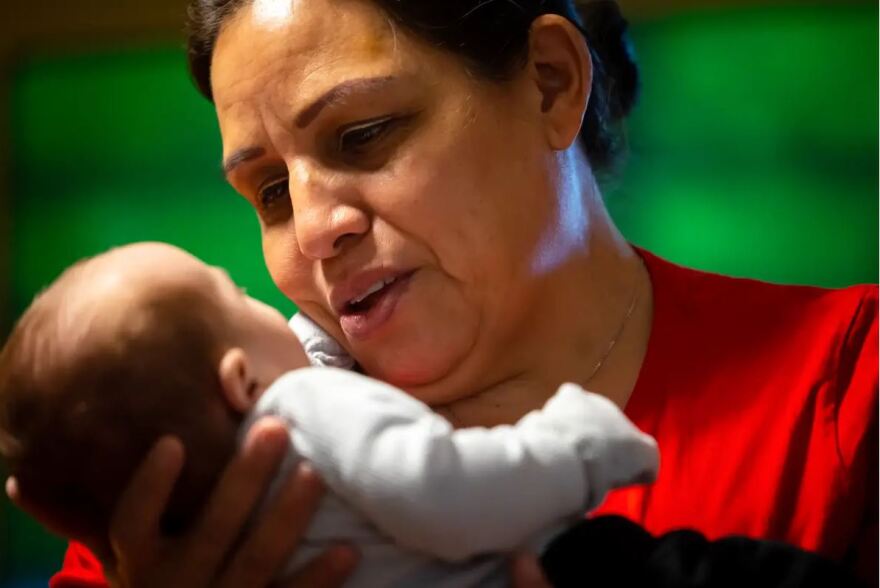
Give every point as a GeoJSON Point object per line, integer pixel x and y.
{"type": "Point", "coordinates": [613, 341]}
{"type": "Point", "coordinates": [452, 418]}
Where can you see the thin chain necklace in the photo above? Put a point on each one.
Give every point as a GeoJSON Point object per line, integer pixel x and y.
{"type": "Point", "coordinates": [632, 306]}
{"type": "Point", "coordinates": [613, 341]}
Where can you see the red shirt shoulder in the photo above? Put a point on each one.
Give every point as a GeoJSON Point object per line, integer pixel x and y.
{"type": "Point", "coordinates": [763, 400]}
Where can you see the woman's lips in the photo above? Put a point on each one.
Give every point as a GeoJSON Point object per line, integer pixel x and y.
{"type": "Point", "coordinates": [360, 324]}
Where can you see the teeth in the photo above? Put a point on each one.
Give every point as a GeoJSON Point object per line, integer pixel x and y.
{"type": "Point", "coordinates": [373, 289]}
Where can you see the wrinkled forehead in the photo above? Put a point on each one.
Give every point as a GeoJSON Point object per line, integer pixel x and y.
{"type": "Point", "coordinates": [282, 53]}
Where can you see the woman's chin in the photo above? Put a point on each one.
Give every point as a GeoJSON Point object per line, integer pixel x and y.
{"type": "Point", "coordinates": [422, 373]}
{"type": "Point", "coordinates": [408, 372]}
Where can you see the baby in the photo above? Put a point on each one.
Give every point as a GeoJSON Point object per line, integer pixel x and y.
{"type": "Point", "coordinates": [146, 340]}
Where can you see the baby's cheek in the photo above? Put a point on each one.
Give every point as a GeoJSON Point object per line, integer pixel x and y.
{"type": "Point", "coordinates": [298, 357]}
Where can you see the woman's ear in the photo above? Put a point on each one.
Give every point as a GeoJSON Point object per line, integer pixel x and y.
{"type": "Point", "coordinates": [562, 70]}
{"type": "Point", "coordinates": [239, 386]}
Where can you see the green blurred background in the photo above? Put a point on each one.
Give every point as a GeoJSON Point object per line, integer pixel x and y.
{"type": "Point", "coordinates": [754, 152]}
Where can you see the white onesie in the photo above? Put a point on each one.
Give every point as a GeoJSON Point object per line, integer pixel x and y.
{"type": "Point", "coordinates": [431, 506]}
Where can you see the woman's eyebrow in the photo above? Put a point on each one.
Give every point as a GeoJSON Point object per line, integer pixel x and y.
{"type": "Point", "coordinates": [241, 156]}
{"type": "Point", "coordinates": [309, 114]}
{"type": "Point", "coordinates": [338, 93]}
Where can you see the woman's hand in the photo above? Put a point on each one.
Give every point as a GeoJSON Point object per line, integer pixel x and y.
{"type": "Point", "coordinates": [211, 553]}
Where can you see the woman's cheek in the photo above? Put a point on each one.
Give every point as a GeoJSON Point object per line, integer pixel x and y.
{"type": "Point", "coordinates": [285, 265]}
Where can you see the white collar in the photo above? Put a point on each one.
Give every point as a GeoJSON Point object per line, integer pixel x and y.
{"type": "Point", "coordinates": [321, 348]}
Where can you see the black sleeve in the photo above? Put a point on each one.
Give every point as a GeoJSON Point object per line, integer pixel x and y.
{"type": "Point", "coordinates": [614, 552]}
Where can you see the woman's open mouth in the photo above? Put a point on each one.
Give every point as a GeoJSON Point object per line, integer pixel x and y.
{"type": "Point", "coordinates": [362, 315]}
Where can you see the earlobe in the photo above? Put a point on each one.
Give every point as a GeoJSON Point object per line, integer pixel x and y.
{"type": "Point", "coordinates": [562, 70]}
{"type": "Point", "coordinates": [236, 379]}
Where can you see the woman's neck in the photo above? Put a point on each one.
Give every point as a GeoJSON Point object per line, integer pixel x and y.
{"type": "Point", "coordinates": [591, 328]}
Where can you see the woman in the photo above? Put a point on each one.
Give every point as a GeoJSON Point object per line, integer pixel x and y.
{"type": "Point", "coordinates": [425, 178]}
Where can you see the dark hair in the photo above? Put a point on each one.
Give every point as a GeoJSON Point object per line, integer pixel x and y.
{"type": "Point", "coordinates": [492, 37]}
{"type": "Point", "coordinates": [82, 403]}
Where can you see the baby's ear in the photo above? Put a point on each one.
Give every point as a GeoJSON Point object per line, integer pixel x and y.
{"type": "Point", "coordinates": [239, 385]}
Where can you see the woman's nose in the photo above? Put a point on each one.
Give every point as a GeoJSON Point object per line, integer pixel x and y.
{"type": "Point", "coordinates": [327, 219]}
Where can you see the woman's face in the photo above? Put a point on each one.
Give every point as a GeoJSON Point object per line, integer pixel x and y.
{"type": "Point", "coordinates": [402, 201]}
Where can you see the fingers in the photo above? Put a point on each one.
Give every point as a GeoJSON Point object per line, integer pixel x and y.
{"type": "Point", "coordinates": [134, 527]}
{"type": "Point", "coordinates": [328, 570]}
{"type": "Point", "coordinates": [241, 486]}
{"type": "Point", "coordinates": [526, 572]}
{"type": "Point", "coordinates": [280, 529]}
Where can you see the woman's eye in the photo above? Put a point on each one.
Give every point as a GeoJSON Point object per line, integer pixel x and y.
{"type": "Point", "coordinates": [273, 202]}
{"type": "Point", "coordinates": [357, 138]}
{"type": "Point", "coordinates": [273, 194]}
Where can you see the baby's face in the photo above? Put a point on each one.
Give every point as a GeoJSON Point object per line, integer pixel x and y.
{"type": "Point", "coordinates": [260, 330]}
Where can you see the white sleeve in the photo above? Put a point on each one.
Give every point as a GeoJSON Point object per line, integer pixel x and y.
{"type": "Point", "coordinates": [451, 494]}
{"type": "Point", "coordinates": [610, 449]}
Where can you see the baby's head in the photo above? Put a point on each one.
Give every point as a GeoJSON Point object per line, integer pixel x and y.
{"type": "Point", "coordinates": [139, 342]}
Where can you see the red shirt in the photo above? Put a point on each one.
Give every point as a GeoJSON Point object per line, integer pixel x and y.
{"type": "Point", "coordinates": [763, 400]}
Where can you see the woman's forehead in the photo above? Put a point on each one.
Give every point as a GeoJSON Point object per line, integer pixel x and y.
{"type": "Point", "coordinates": [299, 54]}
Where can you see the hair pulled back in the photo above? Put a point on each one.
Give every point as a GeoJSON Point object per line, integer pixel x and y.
{"type": "Point", "coordinates": [492, 39]}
